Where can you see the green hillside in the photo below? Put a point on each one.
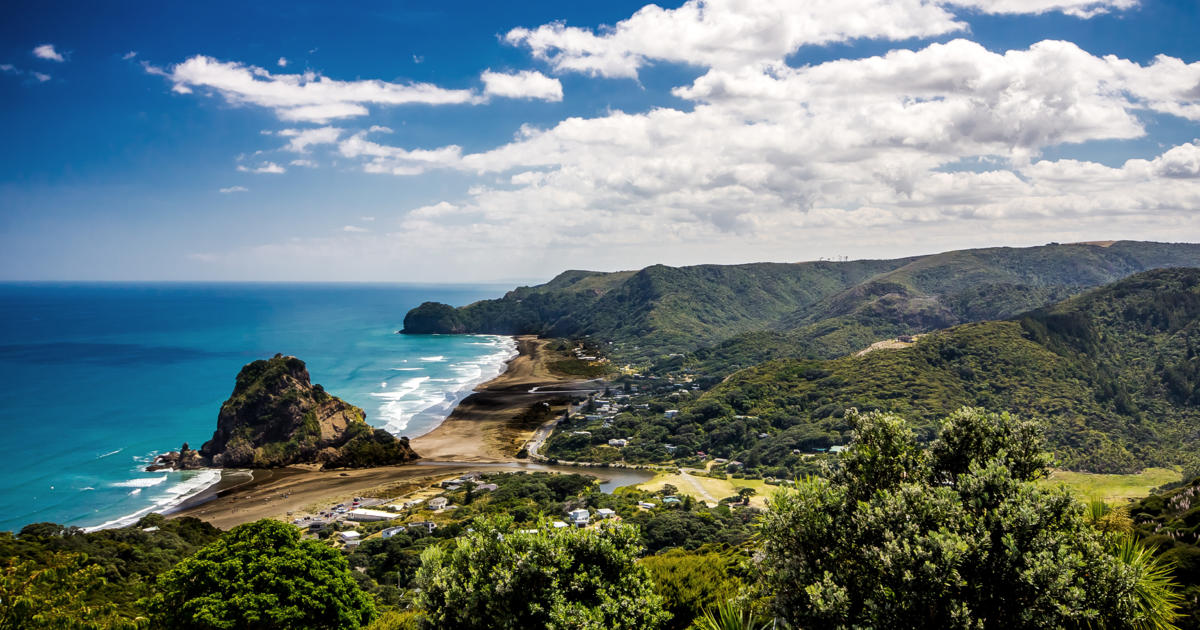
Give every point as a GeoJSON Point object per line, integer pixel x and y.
{"type": "Point", "coordinates": [1113, 374]}
{"type": "Point", "coordinates": [820, 309]}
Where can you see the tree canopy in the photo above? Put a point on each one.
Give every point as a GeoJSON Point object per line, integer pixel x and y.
{"type": "Point", "coordinates": [261, 575]}
{"type": "Point", "coordinates": [498, 577]}
{"type": "Point", "coordinates": [955, 536]}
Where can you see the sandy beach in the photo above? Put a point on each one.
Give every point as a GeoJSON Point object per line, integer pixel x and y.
{"type": "Point", "coordinates": [487, 427]}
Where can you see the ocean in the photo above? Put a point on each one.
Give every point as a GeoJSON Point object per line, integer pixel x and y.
{"type": "Point", "coordinates": [100, 378]}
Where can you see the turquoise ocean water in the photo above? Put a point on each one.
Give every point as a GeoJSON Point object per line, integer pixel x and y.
{"type": "Point", "coordinates": [96, 379]}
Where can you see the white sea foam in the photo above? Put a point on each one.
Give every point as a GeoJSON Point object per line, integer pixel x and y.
{"type": "Point", "coordinates": [432, 399]}
{"type": "Point", "coordinates": [434, 359]}
{"type": "Point", "coordinates": [407, 369]}
{"type": "Point", "coordinates": [193, 483]}
{"type": "Point", "coordinates": [110, 453]}
{"type": "Point", "coordinates": [141, 482]}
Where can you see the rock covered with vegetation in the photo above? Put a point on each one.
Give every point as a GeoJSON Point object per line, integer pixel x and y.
{"type": "Point", "coordinates": [276, 417]}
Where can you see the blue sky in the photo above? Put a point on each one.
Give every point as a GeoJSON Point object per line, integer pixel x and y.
{"type": "Point", "coordinates": [150, 141]}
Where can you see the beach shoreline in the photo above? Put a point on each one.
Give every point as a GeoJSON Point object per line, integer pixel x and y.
{"type": "Point", "coordinates": [487, 428]}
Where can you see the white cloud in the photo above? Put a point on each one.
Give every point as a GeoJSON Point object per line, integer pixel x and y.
{"type": "Point", "coordinates": [354, 228]}
{"type": "Point", "coordinates": [524, 84]}
{"type": "Point", "coordinates": [378, 158]}
{"type": "Point", "coordinates": [234, 189]}
{"type": "Point", "coordinates": [827, 153]}
{"type": "Point", "coordinates": [1077, 8]}
{"type": "Point", "coordinates": [129, 55]}
{"type": "Point", "coordinates": [302, 97]}
{"type": "Point", "coordinates": [283, 62]}
{"type": "Point", "coordinates": [47, 52]}
{"type": "Point", "coordinates": [304, 163]}
{"type": "Point", "coordinates": [367, 219]}
{"type": "Point", "coordinates": [738, 33]}
{"type": "Point", "coordinates": [1182, 161]}
{"type": "Point", "coordinates": [265, 167]}
{"type": "Point", "coordinates": [8, 68]}
{"type": "Point", "coordinates": [301, 139]}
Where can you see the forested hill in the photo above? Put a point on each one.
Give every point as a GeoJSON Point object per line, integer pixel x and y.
{"type": "Point", "coordinates": [1114, 373]}
{"type": "Point", "coordinates": [813, 308]}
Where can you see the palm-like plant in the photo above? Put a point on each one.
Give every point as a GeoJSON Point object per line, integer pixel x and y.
{"type": "Point", "coordinates": [1156, 593]}
{"type": "Point", "coordinates": [730, 616]}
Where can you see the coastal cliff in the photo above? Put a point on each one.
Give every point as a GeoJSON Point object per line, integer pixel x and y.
{"type": "Point", "coordinates": [276, 417]}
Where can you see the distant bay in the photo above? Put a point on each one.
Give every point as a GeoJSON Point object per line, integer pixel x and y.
{"type": "Point", "coordinates": [98, 378]}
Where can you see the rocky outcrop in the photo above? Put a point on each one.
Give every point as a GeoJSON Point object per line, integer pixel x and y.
{"type": "Point", "coordinates": [276, 417]}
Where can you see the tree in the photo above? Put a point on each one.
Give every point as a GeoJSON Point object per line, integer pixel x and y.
{"type": "Point", "coordinates": [261, 575]}
{"type": "Point", "coordinates": [52, 594]}
{"type": "Point", "coordinates": [745, 493]}
{"type": "Point", "coordinates": [497, 577]}
{"type": "Point", "coordinates": [956, 536]}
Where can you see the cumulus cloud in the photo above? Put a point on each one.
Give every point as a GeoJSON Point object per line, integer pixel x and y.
{"type": "Point", "coordinates": [47, 52]}
{"type": "Point", "coordinates": [779, 154]}
{"type": "Point", "coordinates": [1182, 162]}
{"type": "Point", "coordinates": [1077, 8]}
{"type": "Point", "coordinates": [129, 55]}
{"type": "Point", "coordinates": [304, 163]}
{"type": "Point", "coordinates": [525, 84]}
{"type": "Point", "coordinates": [234, 189]}
{"type": "Point", "coordinates": [354, 228]}
{"type": "Point", "coordinates": [301, 139]}
{"type": "Point", "coordinates": [738, 33]}
{"type": "Point", "coordinates": [378, 158]}
{"type": "Point", "coordinates": [265, 167]}
{"type": "Point", "coordinates": [283, 62]}
{"type": "Point", "coordinates": [309, 96]}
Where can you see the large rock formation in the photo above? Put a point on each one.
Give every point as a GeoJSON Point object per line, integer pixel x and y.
{"type": "Point", "coordinates": [275, 417]}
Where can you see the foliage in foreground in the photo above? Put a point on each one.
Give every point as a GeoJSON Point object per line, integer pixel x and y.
{"type": "Point", "coordinates": [261, 575]}
{"type": "Point", "coordinates": [498, 577]}
{"type": "Point", "coordinates": [53, 593]}
{"type": "Point", "coordinates": [956, 536]}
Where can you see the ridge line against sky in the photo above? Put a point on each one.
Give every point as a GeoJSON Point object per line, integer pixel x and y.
{"type": "Point", "coordinates": [477, 143]}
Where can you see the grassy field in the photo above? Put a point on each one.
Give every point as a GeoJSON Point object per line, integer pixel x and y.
{"type": "Point", "coordinates": [1111, 488]}
{"type": "Point", "coordinates": [1114, 488]}
{"type": "Point", "coordinates": [717, 488]}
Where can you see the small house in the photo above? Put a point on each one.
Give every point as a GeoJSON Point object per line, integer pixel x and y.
{"type": "Point", "coordinates": [605, 513]}
{"type": "Point", "coordinates": [579, 517]}
{"type": "Point", "coordinates": [391, 531]}
{"type": "Point", "coordinates": [618, 442]}
{"type": "Point", "coordinates": [350, 537]}
{"type": "Point", "coordinates": [428, 526]}
{"type": "Point", "coordinates": [438, 503]}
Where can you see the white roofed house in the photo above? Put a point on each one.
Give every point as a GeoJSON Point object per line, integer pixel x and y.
{"type": "Point", "coordinates": [350, 537]}
{"type": "Point", "coordinates": [438, 503]}
{"type": "Point", "coordinates": [579, 517]}
{"type": "Point", "coordinates": [366, 515]}
{"type": "Point", "coordinates": [391, 531]}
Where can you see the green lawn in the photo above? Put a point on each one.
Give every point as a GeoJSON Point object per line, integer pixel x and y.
{"type": "Point", "coordinates": [1114, 488]}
